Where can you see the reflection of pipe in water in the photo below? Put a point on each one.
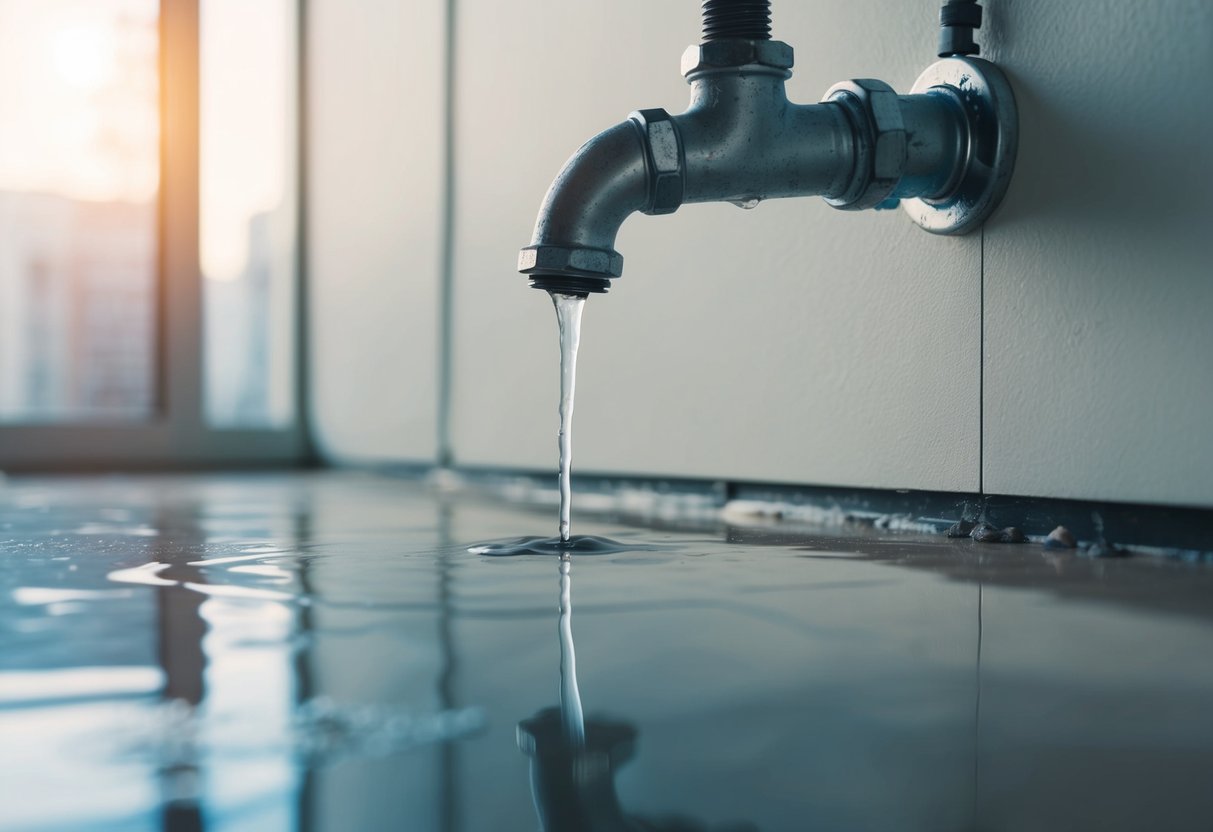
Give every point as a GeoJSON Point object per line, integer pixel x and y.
{"type": "Point", "coordinates": [448, 793]}
{"type": "Point", "coordinates": [573, 762]}
{"type": "Point", "coordinates": [180, 632]}
{"type": "Point", "coordinates": [570, 697]}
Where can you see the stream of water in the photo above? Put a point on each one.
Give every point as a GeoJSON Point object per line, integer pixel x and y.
{"type": "Point", "coordinates": [568, 315]}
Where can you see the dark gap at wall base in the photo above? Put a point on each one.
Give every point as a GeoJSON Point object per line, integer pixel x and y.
{"type": "Point", "coordinates": [1122, 524]}
{"type": "Point", "coordinates": [1183, 531]}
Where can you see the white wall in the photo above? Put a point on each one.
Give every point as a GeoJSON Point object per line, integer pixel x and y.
{"type": "Point", "coordinates": [794, 342]}
{"type": "Point", "coordinates": [1099, 270]}
{"type": "Point", "coordinates": [374, 137]}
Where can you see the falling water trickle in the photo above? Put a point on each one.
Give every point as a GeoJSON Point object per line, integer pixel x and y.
{"type": "Point", "coordinates": [568, 314]}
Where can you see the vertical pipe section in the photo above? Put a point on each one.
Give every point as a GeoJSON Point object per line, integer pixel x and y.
{"type": "Point", "coordinates": [303, 329]}
{"type": "Point", "coordinates": [449, 818]}
{"type": "Point", "coordinates": [180, 274]}
{"type": "Point", "coordinates": [446, 306]}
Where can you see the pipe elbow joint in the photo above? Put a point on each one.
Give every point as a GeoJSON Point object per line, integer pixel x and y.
{"type": "Point", "coordinates": [637, 165]}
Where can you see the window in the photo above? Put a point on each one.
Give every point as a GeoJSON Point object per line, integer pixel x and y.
{"type": "Point", "coordinates": [148, 232]}
{"type": "Point", "coordinates": [79, 176]}
{"type": "Point", "coordinates": [248, 210]}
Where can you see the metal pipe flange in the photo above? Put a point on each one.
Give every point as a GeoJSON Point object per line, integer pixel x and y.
{"type": "Point", "coordinates": [992, 124]}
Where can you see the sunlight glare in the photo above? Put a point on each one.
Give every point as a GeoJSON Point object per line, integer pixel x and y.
{"type": "Point", "coordinates": [85, 56]}
{"type": "Point", "coordinates": [245, 131]}
{"type": "Point", "coordinates": [81, 105]}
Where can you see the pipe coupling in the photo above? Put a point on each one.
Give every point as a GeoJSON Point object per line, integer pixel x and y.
{"type": "Point", "coordinates": [880, 143]}
{"type": "Point", "coordinates": [664, 160]}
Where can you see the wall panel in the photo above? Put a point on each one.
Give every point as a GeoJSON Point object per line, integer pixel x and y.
{"type": "Point", "coordinates": [790, 343]}
{"type": "Point", "coordinates": [375, 139]}
{"type": "Point", "coordinates": [1099, 270]}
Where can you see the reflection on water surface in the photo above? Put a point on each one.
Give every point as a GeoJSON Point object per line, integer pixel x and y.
{"type": "Point", "coordinates": [322, 652]}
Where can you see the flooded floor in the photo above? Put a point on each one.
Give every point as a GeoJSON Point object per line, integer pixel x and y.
{"type": "Point", "coordinates": [322, 652]}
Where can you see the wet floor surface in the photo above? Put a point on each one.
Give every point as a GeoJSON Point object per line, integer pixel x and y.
{"type": "Point", "coordinates": [321, 652]}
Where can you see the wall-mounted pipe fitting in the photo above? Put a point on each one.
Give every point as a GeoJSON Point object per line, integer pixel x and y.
{"type": "Point", "coordinates": [946, 150]}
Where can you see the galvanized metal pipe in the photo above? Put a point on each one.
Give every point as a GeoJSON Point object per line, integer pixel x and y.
{"type": "Point", "coordinates": [947, 150]}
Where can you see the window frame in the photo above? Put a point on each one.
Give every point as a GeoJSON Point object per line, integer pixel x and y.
{"type": "Point", "coordinates": [176, 433]}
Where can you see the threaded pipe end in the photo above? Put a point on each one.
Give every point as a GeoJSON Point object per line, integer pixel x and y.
{"type": "Point", "coordinates": [744, 19]}
{"type": "Point", "coordinates": [570, 285]}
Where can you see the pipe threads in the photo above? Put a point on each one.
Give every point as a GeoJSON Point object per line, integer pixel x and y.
{"type": "Point", "coordinates": [745, 19]}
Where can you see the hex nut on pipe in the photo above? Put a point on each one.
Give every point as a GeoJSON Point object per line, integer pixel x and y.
{"type": "Point", "coordinates": [569, 260]}
{"type": "Point", "coordinates": [731, 53]}
{"type": "Point", "coordinates": [663, 160]}
{"type": "Point", "coordinates": [881, 145]}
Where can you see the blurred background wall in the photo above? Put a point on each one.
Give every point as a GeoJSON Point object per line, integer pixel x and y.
{"type": "Point", "coordinates": [1067, 351]}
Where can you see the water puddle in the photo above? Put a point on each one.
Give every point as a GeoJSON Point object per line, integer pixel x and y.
{"type": "Point", "coordinates": [572, 716]}
{"type": "Point", "coordinates": [582, 544]}
{"type": "Point", "coordinates": [319, 731]}
{"type": "Point", "coordinates": [146, 575]}
{"type": "Point", "coordinates": [47, 596]}
{"type": "Point", "coordinates": [94, 529]}
{"type": "Point", "coordinates": [65, 684]}
{"type": "Point", "coordinates": [793, 681]}
{"type": "Point", "coordinates": [271, 572]}
{"type": "Point", "coordinates": [249, 593]}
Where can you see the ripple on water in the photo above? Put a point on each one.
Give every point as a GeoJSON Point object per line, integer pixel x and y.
{"type": "Point", "coordinates": [578, 544]}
